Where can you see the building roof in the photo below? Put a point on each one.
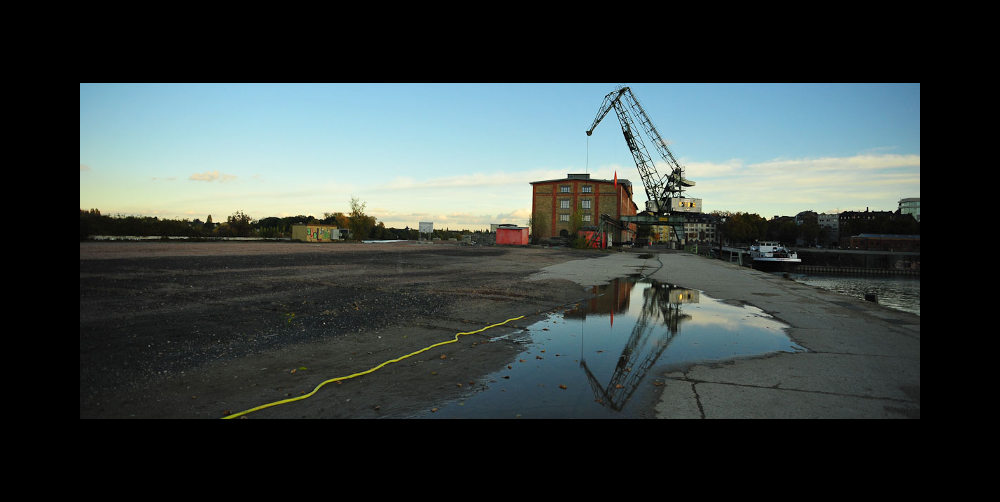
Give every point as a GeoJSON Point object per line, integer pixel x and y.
{"type": "Point", "coordinates": [621, 181]}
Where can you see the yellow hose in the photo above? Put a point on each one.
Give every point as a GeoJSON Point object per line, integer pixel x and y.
{"type": "Point", "coordinates": [298, 398]}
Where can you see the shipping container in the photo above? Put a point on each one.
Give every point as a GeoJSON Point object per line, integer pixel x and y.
{"type": "Point", "coordinates": [316, 233]}
{"type": "Point", "coordinates": [595, 239]}
{"type": "Point", "coordinates": [512, 236]}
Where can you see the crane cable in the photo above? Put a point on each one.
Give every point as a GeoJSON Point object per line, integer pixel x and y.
{"type": "Point", "coordinates": [298, 398]}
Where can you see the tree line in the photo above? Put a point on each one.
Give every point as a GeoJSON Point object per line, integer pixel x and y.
{"type": "Point", "coordinates": [744, 228]}
{"type": "Point", "coordinates": [239, 224]}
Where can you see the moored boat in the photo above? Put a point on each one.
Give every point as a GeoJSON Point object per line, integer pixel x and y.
{"type": "Point", "coordinates": [772, 256]}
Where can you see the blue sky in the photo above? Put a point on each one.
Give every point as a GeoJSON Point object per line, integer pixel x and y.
{"type": "Point", "coordinates": [463, 155]}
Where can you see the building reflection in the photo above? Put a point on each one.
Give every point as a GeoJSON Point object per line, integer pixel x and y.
{"type": "Point", "coordinates": [606, 299]}
{"type": "Point", "coordinates": [655, 325]}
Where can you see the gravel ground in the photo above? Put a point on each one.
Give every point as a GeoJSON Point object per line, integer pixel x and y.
{"type": "Point", "coordinates": [209, 329]}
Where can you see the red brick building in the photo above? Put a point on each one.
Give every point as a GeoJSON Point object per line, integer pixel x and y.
{"type": "Point", "coordinates": [553, 203]}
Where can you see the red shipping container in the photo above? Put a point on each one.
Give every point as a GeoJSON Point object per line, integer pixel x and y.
{"type": "Point", "coordinates": [596, 240]}
{"type": "Point", "coordinates": [514, 236]}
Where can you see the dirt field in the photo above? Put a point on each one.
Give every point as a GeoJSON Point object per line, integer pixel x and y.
{"type": "Point", "coordinates": [202, 330]}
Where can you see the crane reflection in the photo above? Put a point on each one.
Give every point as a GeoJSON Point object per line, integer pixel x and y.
{"type": "Point", "coordinates": [656, 323]}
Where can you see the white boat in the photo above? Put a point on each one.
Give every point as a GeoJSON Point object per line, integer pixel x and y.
{"type": "Point", "coordinates": [769, 255]}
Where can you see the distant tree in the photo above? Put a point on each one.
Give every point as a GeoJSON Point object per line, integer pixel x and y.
{"type": "Point", "coordinates": [539, 227]}
{"type": "Point", "coordinates": [360, 223]}
{"type": "Point", "coordinates": [338, 219]}
{"type": "Point", "coordinates": [270, 227]}
{"type": "Point", "coordinates": [785, 231]}
{"type": "Point", "coordinates": [240, 225]}
{"type": "Point", "coordinates": [744, 228]}
{"type": "Point", "coordinates": [810, 232]}
{"type": "Point", "coordinates": [575, 223]}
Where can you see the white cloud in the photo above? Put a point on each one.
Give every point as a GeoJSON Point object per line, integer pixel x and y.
{"type": "Point", "coordinates": [787, 186]}
{"type": "Point", "coordinates": [473, 180]}
{"type": "Point", "coordinates": [212, 176]}
{"type": "Point", "coordinates": [866, 162]}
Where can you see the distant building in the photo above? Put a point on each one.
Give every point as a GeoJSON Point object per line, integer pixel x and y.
{"type": "Point", "coordinates": [553, 203]}
{"type": "Point", "coordinates": [848, 217]}
{"type": "Point", "coordinates": [910, 206]}
{"type": "Point", "coordinates": [806, 217]}
{"type": "Point", "coordinates": [832, 223]}
{"type": "Point", "coordinates": [698, 229]}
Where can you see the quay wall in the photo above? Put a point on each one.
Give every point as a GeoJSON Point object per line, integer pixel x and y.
{"type": "Point", "coordinates": [836, 261]}
{"type": "Point", "coordinates": [821, 269]}
{"type": "Point", "coordinates": [859, 262]}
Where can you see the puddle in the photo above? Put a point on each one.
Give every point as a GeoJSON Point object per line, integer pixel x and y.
{"type": "Point", "coordinates": [601, 358]}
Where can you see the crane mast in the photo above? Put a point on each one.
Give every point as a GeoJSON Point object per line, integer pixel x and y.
{"type": "Point", "coordinates": [659, 189]}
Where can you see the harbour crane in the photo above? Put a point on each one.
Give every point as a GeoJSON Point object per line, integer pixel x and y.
{"type": "Point", "coordinates": [666, 204]}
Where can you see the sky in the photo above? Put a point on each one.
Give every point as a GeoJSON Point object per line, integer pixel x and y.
{"type": "Point", "coordinates": [463, 155]}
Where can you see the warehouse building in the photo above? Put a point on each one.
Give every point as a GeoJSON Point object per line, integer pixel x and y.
{"type": "Point", "coordinates": [553, 203]}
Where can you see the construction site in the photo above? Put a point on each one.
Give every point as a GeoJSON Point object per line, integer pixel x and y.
{"type": "Point", "coordinates": [222, 330]}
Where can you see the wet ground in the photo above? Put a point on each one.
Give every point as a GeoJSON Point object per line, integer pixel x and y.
{"type": "Point", "coordinates": [602, 359]}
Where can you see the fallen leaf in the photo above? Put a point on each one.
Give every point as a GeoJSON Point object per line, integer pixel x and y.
{"type": "Point", "coordinates": [562, 386]}
{"type": "Point", "coordinates": [443, 356]}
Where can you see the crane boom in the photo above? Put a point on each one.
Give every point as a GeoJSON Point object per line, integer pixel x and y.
{"type": "Point", "coordinates": [658, 189]}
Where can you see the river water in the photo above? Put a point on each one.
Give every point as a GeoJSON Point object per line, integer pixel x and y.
{"type": "Point", "coordinates": [900, 293]}
{"type": "Point", "coordinates": [603, 358]}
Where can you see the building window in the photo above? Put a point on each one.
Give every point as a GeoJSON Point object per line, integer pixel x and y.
{"type": "Point", "coordinates": [563, 217]}
{"type": "Point", "coordinates": [585, 204]}
{"type": "Point", "coordinates": [586, 217]}
{"type": "Point", "coordinates": [564, 204]}
{"type": "Point", "coordinates": [564, 188]}
{"type": "Point", "coordinates": [587, 189]}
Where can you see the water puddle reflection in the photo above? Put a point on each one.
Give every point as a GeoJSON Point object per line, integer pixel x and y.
{"type": "Point", "coordinates": [595, 360]}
